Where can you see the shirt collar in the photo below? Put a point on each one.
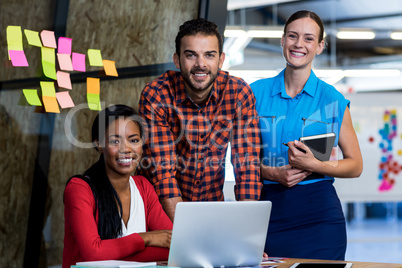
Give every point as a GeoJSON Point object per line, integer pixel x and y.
{"type": "Point", "coordinates": [279, 85]}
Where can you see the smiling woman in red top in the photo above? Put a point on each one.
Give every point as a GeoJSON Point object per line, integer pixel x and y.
{"type": "Point", "coordinates": [110, 214]}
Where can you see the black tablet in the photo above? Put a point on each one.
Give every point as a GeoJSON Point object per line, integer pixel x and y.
{"type": "Point", "coordinates": [321, 265]}
{"type": "Point", "coordinates": [320, 145]}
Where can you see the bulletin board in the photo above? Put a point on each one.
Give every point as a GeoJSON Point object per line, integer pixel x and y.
{"type": "Point", "coordinates": [377, 119]}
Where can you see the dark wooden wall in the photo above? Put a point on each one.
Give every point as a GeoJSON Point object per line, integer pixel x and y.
{"type": "Point", "coordinates": [132, 33]}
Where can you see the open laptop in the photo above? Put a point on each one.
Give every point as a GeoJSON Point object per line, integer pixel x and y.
{"type": "Point", "coordinates": [217, 234]}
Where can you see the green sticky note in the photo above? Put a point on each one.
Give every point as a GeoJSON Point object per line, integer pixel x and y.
{"type": "Point", "coordinates": [94, 101]}
{"type": "Point", "coordinates": [49, 70]}
{"type": "Point", "coordinates": [48, 89]}
{"type": "Point", "coordinates": [14, 38]}
{"type": "Point", "coordinates": [33, 38]}
{"type": "Point", "coordinates": [31, 95]}
{"type": "Point", "coordinates": [49, 62]}
{"type": "Point", "coordinates": [95, 57]}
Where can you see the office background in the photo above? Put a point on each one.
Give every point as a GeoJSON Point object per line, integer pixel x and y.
{"type": "Point", "coordinates": [38, 155]}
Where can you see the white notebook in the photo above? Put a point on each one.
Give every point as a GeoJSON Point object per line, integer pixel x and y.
{"type": "Point", "coordinates": [114, 264]}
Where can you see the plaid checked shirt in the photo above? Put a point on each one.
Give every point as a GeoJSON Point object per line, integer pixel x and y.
{"type": "Point", "coordinates": [184, 154]}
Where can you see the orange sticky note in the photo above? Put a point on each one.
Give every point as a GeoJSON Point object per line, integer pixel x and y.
{"type": "Point", "coordinates": [48, 39]}
{"type": "Point", "coordinates": [110, 68]}
{"type": "Point", "coordinates": [51, 105]}
{"type": "Point", "coordinates": [63, 80]}
{"type": "Point", "coordinates": [64, 99]}
{"type": "Point", "coordinates": [93, 85]}
{"type": "Point", "coordinates": [65, 62]}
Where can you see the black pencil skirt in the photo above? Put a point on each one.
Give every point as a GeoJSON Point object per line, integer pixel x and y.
{"type": "Point", "coordinates": [306, 222]}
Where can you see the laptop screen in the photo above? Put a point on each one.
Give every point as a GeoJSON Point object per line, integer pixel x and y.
{"type": "Point", "coordinates": [216, 234]}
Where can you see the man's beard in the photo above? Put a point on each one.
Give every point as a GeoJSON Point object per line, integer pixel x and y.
{"type": "Point", "coordinates": [198, 86]}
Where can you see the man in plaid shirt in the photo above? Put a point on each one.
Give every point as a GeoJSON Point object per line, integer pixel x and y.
{"type": "Point", "coordinates": [192, 116]}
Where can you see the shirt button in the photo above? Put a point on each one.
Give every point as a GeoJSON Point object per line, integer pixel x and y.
{"type": "Point", "coordinates": [201, 136]}
{"type": "Point", "coordinates": [197, 182]}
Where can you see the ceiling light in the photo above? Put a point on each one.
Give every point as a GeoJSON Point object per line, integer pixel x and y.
{"type": "Point", "coordinates": [265, 34]}
{"type": "Point", "coordinates": [396, 35]}
{"type": "Point", "coordinates": [234, 33]}
{"type": "Point", "coordinates": [355, 35]}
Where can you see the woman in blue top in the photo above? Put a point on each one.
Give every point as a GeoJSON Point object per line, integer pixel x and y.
{"type": "Point", "coordinates": [307, 219]}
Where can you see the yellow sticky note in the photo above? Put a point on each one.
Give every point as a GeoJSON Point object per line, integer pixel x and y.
{"type": "Point", "coordinates": [48, 89]}
{"type": "Point", "coordinates": [31, 95]}
{"type": "Point", "coordinates": [51, 105]}
{"type": "Point", "coordinates": [110, 68]}
{"type": "Point", "coordinates": [95, 57]}
{"type": "Point", "coordinates": [14, 38]}
{"type": "Point", "coordinates": [64, 99]}
{"type": "Point", "coordinates": [94, 101]}
{"type": "Point", "coordinates": [33, 38]}
{"type": "Point", "coordinates": [48, 54]}
{"type": "Point", "coordinates": [49, 62]}
{"type": "Point", "coordinates": [93, 85]}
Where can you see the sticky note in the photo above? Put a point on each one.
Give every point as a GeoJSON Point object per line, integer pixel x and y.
{"type": "Point", "coordinates": [78, 60]}
{"type": "Point", "coordinates": [64, 46]}
{"type": "Point", "coordinates": [93, 85]}
{"type": "Point", "coordinates": [51, 105]}
{"type": "Point", "coordinates": [49, 70]}
{"type": "Point", "coordinates": [94, 101]}
{"type": "Point", "coordinates": [31, 95]}
{"type": "Point", "coordinates": [95, 57]}
{"type": "Point", "coordinates": [14, 38]}
{"type": "Point", "coordinates": [48, 89]}
{"type": "Point", "coordinates": [18, 58]}
{"type": "Point", "coordinates": [64, 99]}
{"type": "Point", "coordinates": [63, 80]}
{"type": "Point", "coordinates": [110, 68]}
{"type": "Point", "coordinates": [49, 62]}
{"type": "Point", "coordinates": [48, 39]}
{"type": "Point", "coordinates": [65, 62]}
{"type": "Point", "coordinates": [33, 38]}
{"type": "Point", "coordinates": [48, 54]}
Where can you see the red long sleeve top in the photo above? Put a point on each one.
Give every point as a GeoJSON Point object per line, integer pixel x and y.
{"type": "Point", "coordinates": [82, 241]}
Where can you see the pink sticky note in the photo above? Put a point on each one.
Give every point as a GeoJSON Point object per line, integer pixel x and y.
{"type": "Point", "coordinates": [65, 62]}
{"type": "Point", "coordinates": [48, 39]}
{"type": "Point", "coordinates": [63, 80]}
{"type": "Point", "coordinates": [64, 45]}
{"type": "Point", "coordinates": [78, 62]}
{"type": "Point", "coordinates": [18, 58]}
{"type": "Point", "coordinates": [64, 99]}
